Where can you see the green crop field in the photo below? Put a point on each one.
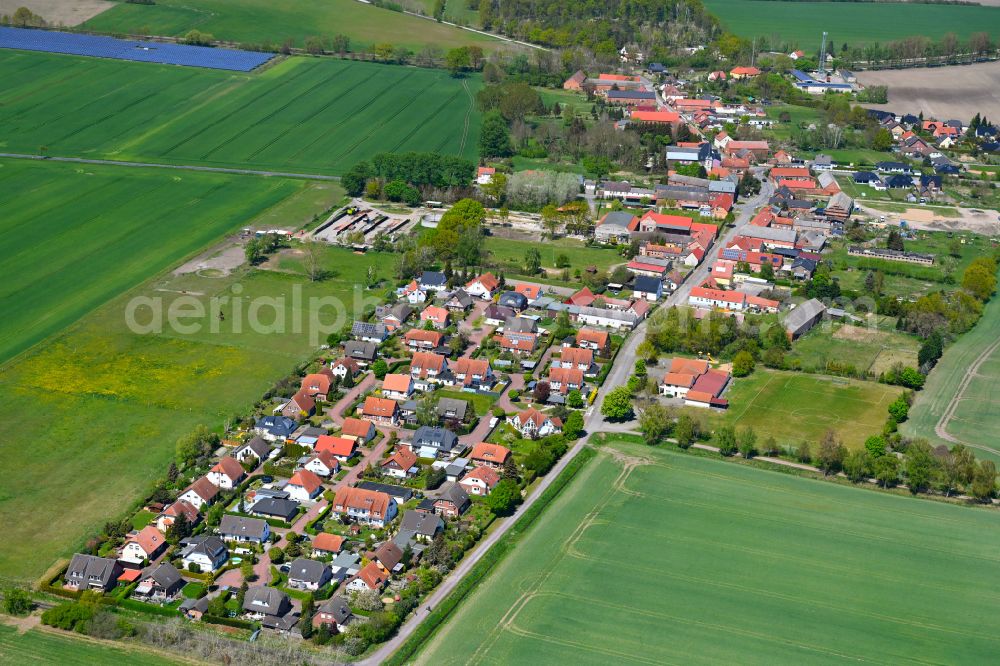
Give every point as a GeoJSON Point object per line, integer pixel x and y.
{"type": "Point", "coordinates": [39, 646]}
{"type": "Point", "coordinates": [975, 416]}
{"type": "Point", "coordinates": [79, 235]}
{"type": "Point", "coordinates": [261, 21]}
{"type": "Point", "coordinates": [655, 557]}
{"type": "Point", "coordinates": [853, 23]}
{"type": "Point", "coordinates": [792, 407]}
{"type": "Point", "coordinates": [305, 115]}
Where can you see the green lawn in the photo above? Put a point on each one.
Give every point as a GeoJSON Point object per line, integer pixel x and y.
{"type": "Point", "coordinates": [193, 590]}
{"type": "Point", "coordinates": [77, 236]}
{"type": "Point", "coordinates": [854, 23]}
{"type": "Point", "coordinates": [43, 647]}
{"type": "Point", "coordinates": [142, 519]}
{"type": "Point", "coordinates": [936, 243]}
{"type": "Point", "coordinates": [579, 255]}
{"type": "Point", "coordinates": [976, 418]}
{"type": "Point", "coordinates": [303, 114]}
{"type": "Point", "coordinates": [792, 407]}
{"type": "Point", "coordinates": [482, 404]}
{"type": "Point", "coordinates": [655, 557]}
{"type": "Point", "coordinates": [260, 21]}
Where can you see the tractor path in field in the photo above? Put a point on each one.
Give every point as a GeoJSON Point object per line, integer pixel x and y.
{"type": "Point", "coordinates": [179, 167]}
{"type": "Point", "coordinates": [941, 428]}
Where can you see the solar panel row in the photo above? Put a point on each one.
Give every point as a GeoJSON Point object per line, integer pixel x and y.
{"type": "Point", "coordinates": [123, 49]}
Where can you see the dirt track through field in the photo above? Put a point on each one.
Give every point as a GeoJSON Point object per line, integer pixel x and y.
{"type": "Point", "coordinates": [959, 91]}
{"type": "Point", "coordinates": [941, 429]}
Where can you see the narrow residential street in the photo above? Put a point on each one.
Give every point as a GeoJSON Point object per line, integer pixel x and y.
{"type": "Point", "coordinates": [593, 422]}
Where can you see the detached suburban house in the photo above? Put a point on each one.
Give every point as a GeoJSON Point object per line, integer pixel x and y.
{"type": "Point", "coordinates": [359, 430]}
{"type": "Point", "coordinates": [483, 287]}
{"type": "Point", "coordinates": [89, 572]}
{"type": "Point", "coordinates": [173, 511]}
{"type": "Point", "coordinates": [257, 449]}
{"type": "Point", "coordinates": [200, 493]}
{"type": "Point", "coordinates": [434, 442]}
{"type": "Point", "coordinates": [270, 606]}
{"type": "Point", "coordinates": [532, 423]}
{"type": "Point", "coordinates": [323, 463]}
{"type": "Point", "coordinates": [490, 455]}
{"type": "Point", "coordinates": [300, 405]}
{"type": "Point", "coordinates": [324, 544]}
{"type": "Point", "coordinates": [334, 613]}
{"type": "Point", "coordinates": [452, 502]}
{"type": "Point", "coordinates": [480, 481]}
{"type": "Point", "coordinates": [303, 486]}
{"type": "Point", "coordinates": [342, 448]}
{"type": "Point", "coordinates": [144, 545]}
{"type": "Point", "coordinates": [401, 464]}
{"type": "Point", "coordinates": [418, 338]}
{"type": "Point", "coordinates": [306, 574]}
{"type": "Point", "coordinates": [437, 316]}
{"type": "Point", "coordinates": [317, 384]}
{"type": "Point", "coordinates": [160, 584]}
{"type": "Point", "coordinates": [275, 428]}
{"type": "Point", "coordinates": [227, 473]}
{"type": "Point", "coordinates": [397, 386]}
{"type": "Point", "coordinates": [370, 578]}
{"type": "Point", "coordinates": [380, 410]}
{"type": "Point", "coordinates": [244, 530]}
{"type": "Point", "coordinates": [207, 552]}
{"type": "Point", "coordinates": [368, 507]}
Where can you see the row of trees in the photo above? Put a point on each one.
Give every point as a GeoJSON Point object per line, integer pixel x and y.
{"type": "Point", "coordinates": [413, 168]}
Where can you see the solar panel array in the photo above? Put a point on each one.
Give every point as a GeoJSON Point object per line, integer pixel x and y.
{"type": "Point", "coordinates": [124, 49]}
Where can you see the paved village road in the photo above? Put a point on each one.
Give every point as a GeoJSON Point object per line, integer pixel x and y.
{"type": "Point", "coordinates": [593, 422]}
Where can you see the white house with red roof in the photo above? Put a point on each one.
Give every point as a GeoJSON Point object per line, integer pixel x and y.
{"type": "Point", "coordinates": [564, 380]}
{"type": "Point", "coordinates": [401, 464]}
{"type": "Point", "coordinates": [322, 463]}
{"type": "Point", "coordinates": [483, 286]}
{"type": "Point", "coordinates": [397, 386]}
{"type": "Point", "coordinates": [227, 473]}
{"type": "Point", "coordinates": [342, 448]}
{"type": "Point", "coordinates": [484, 176]}
{"type": "Point", "coordinates": [414, 293]}
{"type": "Point", "coordinates": [438, 316]}
{"type": "Point", "coordinates": [480, 481]}
{"type": "Point", "coordinates": [303, 486]}
{"type": "Point", "coordinates": [736, 301]}
{"type": "Point", "coordinates": [145, 544]}
{"type": "Point", "coordinates": [532, 423]}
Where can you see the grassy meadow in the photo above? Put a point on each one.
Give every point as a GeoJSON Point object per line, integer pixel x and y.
{"type": "Point", "coordinates": [655, 557]}
{"type": "Point", "coordinates": [793, 407]}
{"type": "Point", "coordinates": [79, 235]}
{"type": "Point", "coordinates": [853, 23]}
{"type": "Point", "coordinates": [40, 646]}
{"type": "Point", "coordinates": [260, 21]}
{"type": "Point", "coordinates": [867, 349]}
{"type": "Point", "coordinates": [580, 256]}
{"type": "Point", "coordinates": [307, 115]}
